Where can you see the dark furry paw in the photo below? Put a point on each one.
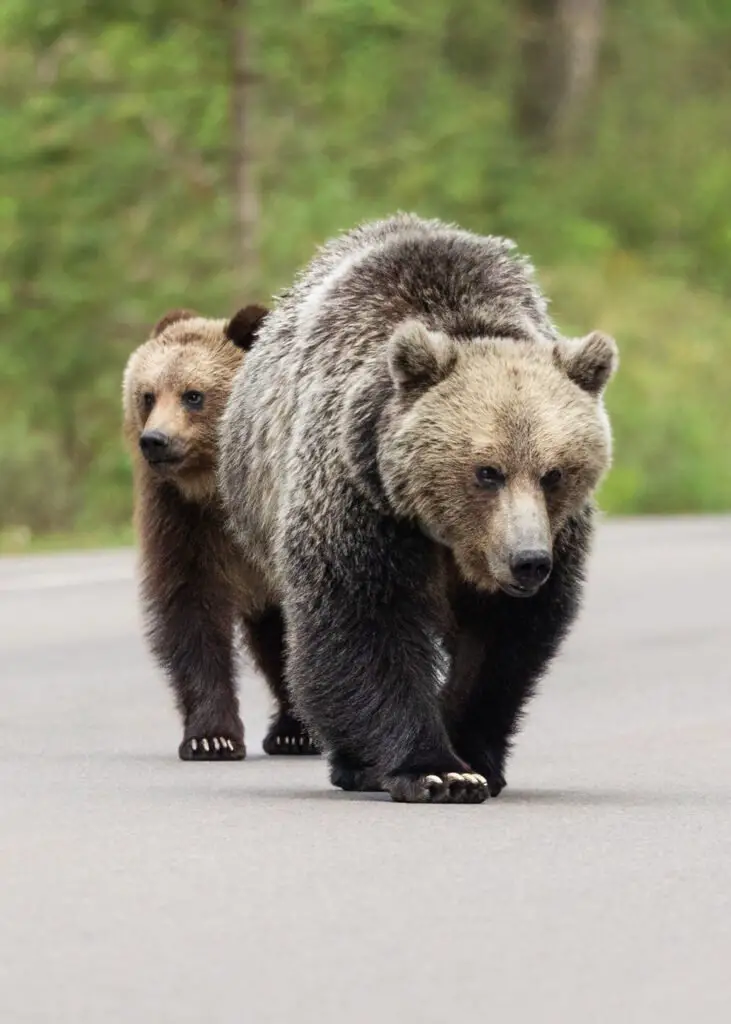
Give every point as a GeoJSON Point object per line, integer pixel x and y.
{"type": "Point", "coordinates": [443, 788]}
{"type": "Point", "coordinates": [211, 748]}
{"type": "Point", "coordinates": [486, 767]}
{"type": "Point", "coordinates": [287, 737]}
{"type": "Point", "coordinates": [495, 780]}
{"type": "Point", "coordinates": [483, 762]}
{"type": "Point", "coordinates": [354, 780]}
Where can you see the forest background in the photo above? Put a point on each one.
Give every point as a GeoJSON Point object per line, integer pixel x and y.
{"type": "Point", "coordinates": [179, 153]}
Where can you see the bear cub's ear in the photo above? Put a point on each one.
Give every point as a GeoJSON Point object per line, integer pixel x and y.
{"type": "Point", "coordinates": [589, 362]}
{"type": "Point", "coordinates": [172, 318]}
{"type": "Point", "coordinates": [242, 327]}
{"type": "Point", "coordinates": [418, 358]}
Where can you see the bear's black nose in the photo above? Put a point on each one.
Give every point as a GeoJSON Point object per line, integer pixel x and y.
{"type": "Point", "coordinates": [531, 568]}
{"type": "Point", "coordinates": [154, 445]}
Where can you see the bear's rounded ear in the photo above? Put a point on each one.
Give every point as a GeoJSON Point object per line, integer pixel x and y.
{"type": "Point", "coordinates": [172, 318]}
{"type": "Point", "coordinates": [418, 358]}
{"type": "Point", "coordinates": [590, 361]}
{"type": "Point", "coordinates": [242, 327]}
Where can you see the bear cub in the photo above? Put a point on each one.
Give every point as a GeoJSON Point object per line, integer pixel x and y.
{"type": "Point", "coordinates": [409, 454]}
{"type": "Point", "coordinates": [196, 588]}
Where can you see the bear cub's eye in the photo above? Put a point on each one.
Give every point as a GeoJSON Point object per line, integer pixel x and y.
{"type": "Point", "coordinates": [148, 400]}
{"type": "Point", "coordinates": [193, 399]}
{"type": "Point", "coordinates": [489, 478]}
{"type": "Point", "coordinates": [551, 479]}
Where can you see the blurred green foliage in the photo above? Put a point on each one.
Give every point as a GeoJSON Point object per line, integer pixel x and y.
{"type": "Point", "coordinates": [116, 204]}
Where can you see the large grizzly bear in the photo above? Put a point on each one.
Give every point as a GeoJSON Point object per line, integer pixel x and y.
{"type": "Point", "coordinates": [409, 457]}
{"type": "Point", "coordinates": [195, 586]}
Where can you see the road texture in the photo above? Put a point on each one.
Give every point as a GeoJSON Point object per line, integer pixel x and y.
{"type": "Point", "coordinates": [135, 889]}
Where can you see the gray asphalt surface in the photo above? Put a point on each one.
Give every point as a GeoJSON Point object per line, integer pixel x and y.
{"type": "Point", "coordinates": [135, 889]}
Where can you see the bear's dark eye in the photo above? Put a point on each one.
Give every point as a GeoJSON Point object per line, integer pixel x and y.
{"type": "Point", "coordinates": [551, 479]}
{"type": "Point", "coordinates": [193, 399]}
{"type": "Point", "coordinates": [489, 478]}
{"type": "Point", "coordinates": [148, 400]}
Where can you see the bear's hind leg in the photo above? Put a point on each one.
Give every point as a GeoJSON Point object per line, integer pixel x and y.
{"type": "Point", "coordinates": [265, 639]}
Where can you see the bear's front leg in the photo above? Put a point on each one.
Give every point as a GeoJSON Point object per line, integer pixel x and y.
{"type": "Point", "coordinates": [363, 667]}
{"type": "Point", "coordinates": [500, 648]}
{"type": "Point", "coordinates": [194, 642]}
{"type": "Point", "coordinates": [189, 618]}
{"type": "Point", "coordinates": [196, 649]}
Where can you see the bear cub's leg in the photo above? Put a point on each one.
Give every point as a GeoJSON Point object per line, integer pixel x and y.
{"type": "Point", "coordinates": [265, 637]}
{"type": "Point", "coordinates": [190, 622]}
{"type": "Point", "coordinates": [202, 666]}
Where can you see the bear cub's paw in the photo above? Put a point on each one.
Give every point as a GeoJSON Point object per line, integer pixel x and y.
{"type": "Point", "coordinates": [288, 737]}
{"type": "Point", "coordinates": [211, 748]}
{"type": "Point", "coordinates": [443, 788]}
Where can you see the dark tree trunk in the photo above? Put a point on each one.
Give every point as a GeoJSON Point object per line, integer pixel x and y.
{"type": "Point", "coordinates": [244, 195]}
{"type": "Point", "coordinates": [560, 42]}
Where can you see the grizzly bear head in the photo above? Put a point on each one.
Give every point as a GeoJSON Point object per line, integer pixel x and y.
{"type": "Point", "coordinates": [175, 388]}
{"type": "Point", "coordinates": [492, 444]}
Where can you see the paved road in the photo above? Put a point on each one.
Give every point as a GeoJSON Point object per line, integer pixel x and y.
{"type": "Point", "coordinates": [138, 890]}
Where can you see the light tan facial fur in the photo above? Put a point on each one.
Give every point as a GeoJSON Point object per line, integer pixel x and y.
{"type": "Point", "coordinates": [522, 410]}
{"type": "Point", "coordinates": [184, 355]}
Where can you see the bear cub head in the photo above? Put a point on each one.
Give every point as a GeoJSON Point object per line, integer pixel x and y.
{"type": "Point", "coordinates": [492, 444]}
{"type": "Point", "coordinates": [175, 389]}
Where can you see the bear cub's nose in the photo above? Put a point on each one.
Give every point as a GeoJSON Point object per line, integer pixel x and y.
{"type": "Point", "coordinates": [154, 445]}
{"type": "Point", "coordinates": [531, 568]}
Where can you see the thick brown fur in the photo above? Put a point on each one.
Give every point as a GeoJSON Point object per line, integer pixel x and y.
{"type": "Point", "coordinates": [242, 327]}
{"type": "Point", "coordinates": [196, 587]}
{"type": "Point", "coordinates": [410, 455]}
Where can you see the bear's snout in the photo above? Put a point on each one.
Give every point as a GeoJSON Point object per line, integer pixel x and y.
{"type": "Point", "coordinates": [156, 446]}
{"type": "Point", "coordinates": [530, 569]}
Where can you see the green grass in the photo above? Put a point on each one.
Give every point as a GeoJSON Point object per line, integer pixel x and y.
{"type": "Point", "coordinates": [19, 541]}
{"type": "Point", "coordinates": [670, 400]}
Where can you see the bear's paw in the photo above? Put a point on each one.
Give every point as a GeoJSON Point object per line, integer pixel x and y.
{"type": "Point", "coordinates": [443, 788]}
{"type": "Point", "coordinates": [211, 748]}
{"type": "Point", "coordinates": [354, 780]}
{"type": "Point", "coordinates": [287, 737]}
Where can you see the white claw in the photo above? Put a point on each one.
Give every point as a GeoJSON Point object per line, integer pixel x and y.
{"type": "Point", "coordinates": [454, 777]}
{"type": "Point", "coordinates": [286, 741]}
{"type": "Point", "coordinates": [204, 744]}
{"type": "Point", "coordinates": [482, 781]}
{"type": "Point", "coordinates": [279, 740]}
{"type": "Point", "coordinates": [230, 745]}
{"type": "Point", "coordinates": [194, 745]}
{"type": "Point", "coordinates": [433, 780]}
{"type": "Point", "coordinates": [216, 744]}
